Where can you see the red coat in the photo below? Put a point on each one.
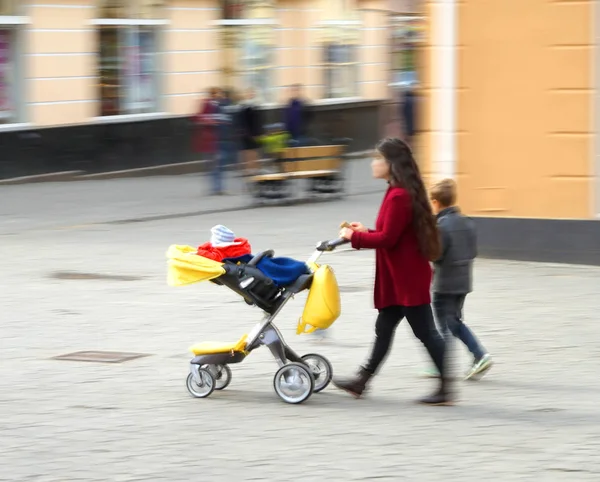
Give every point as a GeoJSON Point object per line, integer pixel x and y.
{"type": "Point", "coordinates": [402, 273]}
{"type": "Point", "coordinates": [205, 136]}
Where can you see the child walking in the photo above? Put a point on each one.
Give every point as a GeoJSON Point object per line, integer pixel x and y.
{"type": "Point", "coordinates": [453, 273]}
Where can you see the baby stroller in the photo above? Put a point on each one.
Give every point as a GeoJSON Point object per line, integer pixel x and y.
{"type": "Point", "coordinates": [298, 377]}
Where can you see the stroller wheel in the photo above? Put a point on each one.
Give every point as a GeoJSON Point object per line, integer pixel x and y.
{"type": "Point", "coordinates": [294, 383]}
{"type": "Point", "coordinates": [321, 370]}
{"type": "Point", "coordinates": [202, 385]}
{"type": "Point", "coordinates": [222, 374]}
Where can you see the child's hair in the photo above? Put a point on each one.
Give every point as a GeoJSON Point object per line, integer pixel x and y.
{"type": "Point", "coordinates": [444, 192]}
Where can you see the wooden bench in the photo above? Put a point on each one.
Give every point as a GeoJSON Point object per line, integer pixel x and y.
{"type": "Point", "coordinates": [320, 166]}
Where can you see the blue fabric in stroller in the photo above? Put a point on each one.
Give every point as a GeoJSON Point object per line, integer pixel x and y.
{"type": "Point", "coordinates": [283, 271]}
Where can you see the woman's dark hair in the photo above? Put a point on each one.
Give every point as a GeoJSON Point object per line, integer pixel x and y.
{"type": "Point", "coordinates": [404, 173]}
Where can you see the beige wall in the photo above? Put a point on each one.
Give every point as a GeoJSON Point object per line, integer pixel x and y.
{"type": "Point", "coordinates": [294, 57]}
{"type": "Point", "coordinates": [375, 52]}
{"type": "Point", "coordinates": [524, 108]}
{"type": "Point", "coordinates": [59, 63]}
{"type": "Point", "coordinates": [299, 54]}
{"type": "Point", "coordinates": [191, 54]}
{"type": "Point", "coordinates": [428, 85]}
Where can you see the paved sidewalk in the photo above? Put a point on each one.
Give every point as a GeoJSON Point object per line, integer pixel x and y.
{"type": "Point", "coordinates": [534, 418]}
{"type": "Point", "coordinates": [61, 205]}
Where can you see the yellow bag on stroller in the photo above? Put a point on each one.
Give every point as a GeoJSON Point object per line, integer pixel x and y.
{"type": "Point", "coordinates": [323, 304]}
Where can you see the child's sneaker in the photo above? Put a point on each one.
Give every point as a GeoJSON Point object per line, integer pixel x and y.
{"type": "Point", "coordinates": [480, 367]}
{"type": "Point", "coordinates": [431, 373]}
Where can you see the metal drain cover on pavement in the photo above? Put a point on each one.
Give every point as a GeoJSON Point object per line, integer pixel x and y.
{"type": "Point", "coordinates": [101, 356]}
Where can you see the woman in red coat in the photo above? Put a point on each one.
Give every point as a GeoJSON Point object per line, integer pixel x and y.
{"type": "Point", "coordinates": [405, 240]}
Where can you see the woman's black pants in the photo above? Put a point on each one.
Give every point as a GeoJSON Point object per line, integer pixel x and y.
{"type": "Point", "coordinates": [420, 319]}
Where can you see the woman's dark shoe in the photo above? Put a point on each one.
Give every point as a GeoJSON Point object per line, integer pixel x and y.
{"type": "Point", "coordinates": [356, 385]}
{"type": "Point", "coordinates": [441, 397]}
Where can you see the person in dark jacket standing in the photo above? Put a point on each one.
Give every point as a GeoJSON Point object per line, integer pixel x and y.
{"type": "Point", "coordinates": [453, 273]}
{"type": "Point", "coordinates": [229, 130]}
{"type": "Point", "coordinates": [409, 113]}
{"type": "Point", "coordinates": [297, 115]}
{"type": "Point", "coordinates": [251, 126]}
{"type": "Point", "coordinates": [405, 240]}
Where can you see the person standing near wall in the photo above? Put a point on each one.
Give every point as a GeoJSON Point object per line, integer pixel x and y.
{"type": "Point", "coordinates": [408, 112]}
{"type": "Point", "coordinates": [251, 126]}
{"type": "Point", "coordinates": [206, 138]}
{"type": "Point", "coordinates": [229, 132]}
{"type": "Point", "coordinates": [297, 115]}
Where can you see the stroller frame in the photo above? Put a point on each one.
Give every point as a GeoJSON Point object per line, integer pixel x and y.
{"type": "Point", "coordinates": [264, 333]}
{"type": "Point", "coordinates": [207, 369]}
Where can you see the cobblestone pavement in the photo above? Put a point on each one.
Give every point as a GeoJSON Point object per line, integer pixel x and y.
{"type": "Point", "coordinates": [535, 417]}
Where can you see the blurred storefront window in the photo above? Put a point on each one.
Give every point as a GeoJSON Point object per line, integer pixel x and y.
{"type": "Point", "coordinates": [406, 40]}
{"type": "Point", "coordinates": [10, 23]}
{"type": "Point", "coordinates": [247, 38]}
{"type": "Point", "coordinates": [128, 71]}
{"type": "Point", "coordinates": [340, 40]}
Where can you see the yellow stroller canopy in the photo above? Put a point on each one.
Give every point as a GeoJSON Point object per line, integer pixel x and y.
{"type": "Point", "coordinates": [186, 267]}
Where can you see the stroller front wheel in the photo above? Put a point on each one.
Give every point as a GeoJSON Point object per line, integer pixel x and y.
{"type": "Point", "coordinates": [202, 385]}
{"type": "Point", "coordinates": [294, 383]}
{"type": "Point", "coordinates": [321, 370]}
{"type": "Point", "coordinates": [222, 375]}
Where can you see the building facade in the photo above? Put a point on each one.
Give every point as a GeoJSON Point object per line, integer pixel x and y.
{"type": "Point", "coordinates": [507, 89]}
{"type": "Point", "coordinates": [104, 58]}
{"type": "Point", "coordinates": [111, 84]}
{"type": "Point", "coordinates": [514, 119]}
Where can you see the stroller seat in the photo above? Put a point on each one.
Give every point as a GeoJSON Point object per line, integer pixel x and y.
{"type": "Point", "coordinates": [302, 283]}
{"type": "Point", "coordinates": [214, 348]}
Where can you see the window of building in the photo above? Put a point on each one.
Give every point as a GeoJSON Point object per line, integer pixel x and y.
{"type": "Point", "coordinates": [247, 39]}
{"type": "Point", "coordinates": [10, 29]}
{"type": "Point", "coordinates": [340, 69]}
{"type": "Point", "coordinates": [406, 38]}
{"type": "Point", "coordinates": [339, 43]}
{"type": "Point", "coordinates": [129, 49]}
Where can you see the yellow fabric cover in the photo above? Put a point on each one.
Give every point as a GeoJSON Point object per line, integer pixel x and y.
{"type": "Point", "coordinates": [213, 348]}
{"type": "Point", "coordinates": [186, 267]}
{"type": "Point", "coordinates": [323, 304]}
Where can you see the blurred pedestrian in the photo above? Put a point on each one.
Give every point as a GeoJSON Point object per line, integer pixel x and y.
{"type": "Point", "coordinates": [405, 240]}
{"type": "Point", "coordinates": [297, 115]}
{"type": "Point", "coordinates": [409, 114]}
{"type": "Point", "coordinates": [229, 132]}
{"type": "Point", "coordinates": [208, 120]}
{"type": "Point", "coordinates": [453, 273]}
{"type": "Point", "coordinates": [251, 125]}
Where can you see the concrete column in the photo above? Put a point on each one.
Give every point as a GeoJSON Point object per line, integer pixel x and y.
{"type": "Point", "coordinates": [595, 60]}
{"type": "Point", "coordinates": [443, 35]}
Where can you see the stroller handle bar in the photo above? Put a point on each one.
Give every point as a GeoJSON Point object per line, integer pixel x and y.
{"type": "Point", "coordinates": [327, 247]}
